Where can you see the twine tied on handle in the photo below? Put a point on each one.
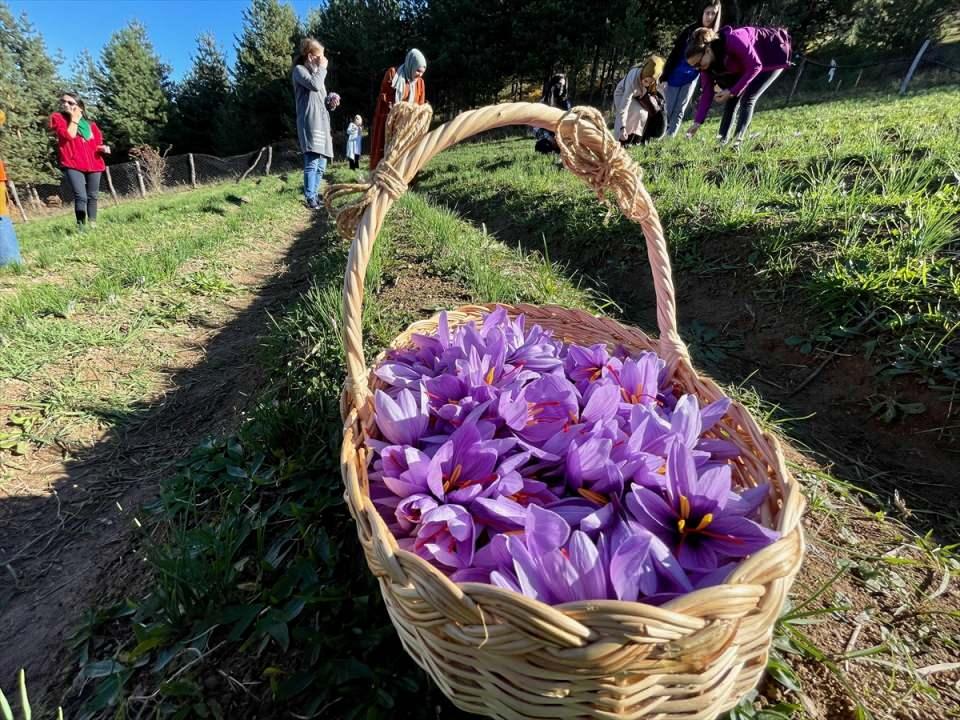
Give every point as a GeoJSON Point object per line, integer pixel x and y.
{"type": "Point", "coordinates": [406, 124]}
{"type": "Point", "coordinates": [607, 168]}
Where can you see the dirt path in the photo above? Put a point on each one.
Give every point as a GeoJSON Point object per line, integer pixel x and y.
{"type": "Point", "coordinates": [68, 514]}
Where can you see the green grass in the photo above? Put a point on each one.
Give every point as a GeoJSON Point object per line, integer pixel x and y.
{"type": "Point", "coordinates": [136, 248]}
{"type": "Point", "coordinates": [260, 601]}
{"type": "Point", "coordinates": [850, 208]}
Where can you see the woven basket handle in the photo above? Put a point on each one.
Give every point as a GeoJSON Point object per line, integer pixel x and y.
{"type": "Point", "coordinates": [587, 149]}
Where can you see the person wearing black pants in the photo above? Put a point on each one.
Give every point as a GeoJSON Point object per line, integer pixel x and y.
{"type": "Point", "coordinates": [81, 150]}
{"type": "Point", "coordinates": [86, 190]}
{"type": "Point", "coordinates": [742, 105]}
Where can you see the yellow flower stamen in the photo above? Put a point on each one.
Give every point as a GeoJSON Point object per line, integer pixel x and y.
{"type": "Point", "coordinates": [681, 524]}
{"type": "Point", "coordinates": [684, 507]}
{"type": "Point", "coordinates": [489, 376]}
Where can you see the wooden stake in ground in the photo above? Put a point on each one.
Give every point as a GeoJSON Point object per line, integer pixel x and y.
{"type": "Point", "coordinates": [913, 66]}
{"type": "Point", "coordinates": [193, 171]}
{"type": "Point", "coordinates": [16, 199]}
{"type": "Point", "coordinates": [255, 163]}
{"type": "Point", "coordinates": [796, 80]}
{"type": "Point", "coordinates": [35, 198]}
{"type": "Point", "coordinates": [113, 192]}
{"type": "Point", "coordinates": [266, 170]}
{"type": "Point", "coordinates": [857, 83]}
{"type": "Point", "coordinates": [143, 189]}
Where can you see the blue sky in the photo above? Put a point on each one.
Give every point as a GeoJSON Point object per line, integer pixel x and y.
{"type": "Point", "coordinates": [173, 25]}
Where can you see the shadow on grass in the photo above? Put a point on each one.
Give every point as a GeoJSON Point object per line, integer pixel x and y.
{"type": "Point", "coordinates": [80, 546]}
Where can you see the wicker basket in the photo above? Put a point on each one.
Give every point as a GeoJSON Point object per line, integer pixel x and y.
{"type": "Point", "coordinates": [503, 655]}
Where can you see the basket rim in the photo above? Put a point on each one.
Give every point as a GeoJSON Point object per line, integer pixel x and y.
{"type": "Point", "coordinates": [787, 518]}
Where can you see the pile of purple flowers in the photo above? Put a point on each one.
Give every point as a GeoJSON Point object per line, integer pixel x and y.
{"type": "Point", "coordinates": [559, 471]}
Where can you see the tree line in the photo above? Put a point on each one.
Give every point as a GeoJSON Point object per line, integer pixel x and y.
{"type": "Point", "coordinates": [478, 52]}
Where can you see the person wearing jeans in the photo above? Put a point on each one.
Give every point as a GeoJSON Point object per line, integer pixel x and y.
{"type": "Point", "coordinates": [313, 118]}
{"type": "Point", "coordinates": [81, 150]}
{"type": "Point", "coordinates": [679, 74]}
{"type": "Point", "coordinates": [736, 68]}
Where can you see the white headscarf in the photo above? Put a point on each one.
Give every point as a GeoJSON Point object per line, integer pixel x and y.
{"type": "Point", "coordinates": [406, 72]}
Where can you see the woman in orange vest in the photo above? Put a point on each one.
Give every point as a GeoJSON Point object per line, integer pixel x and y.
{"type": "Point", "coordinates": [400, 84]}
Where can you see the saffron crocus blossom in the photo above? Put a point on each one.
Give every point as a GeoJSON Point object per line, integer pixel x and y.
{"type": "Point", "coordinates": [447, 535]}
{"type": "Point", "coordinates": [402, 421]}
{"type": "Point", "coordinates": [691, 517]}
{"type": "Point", "coordinates": [559, 471]}
{"type": "Point", "coordinates": [463, 466]}
{"type": "Point", "coordinates": [552, 402]}
{"type": "Point", "coordinates": [550, 563]}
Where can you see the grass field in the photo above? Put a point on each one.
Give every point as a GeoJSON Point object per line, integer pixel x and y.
{"type": "Point", "coordinates": [828, 242]}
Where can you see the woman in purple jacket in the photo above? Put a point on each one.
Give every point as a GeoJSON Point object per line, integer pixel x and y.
{"type": "Point", "coordinates": [743, 63]}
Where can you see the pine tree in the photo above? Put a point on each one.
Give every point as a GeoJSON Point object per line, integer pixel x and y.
{"type": "Point", "coordinates": [134, 90]}
{"type": "Point", "coordinates": [265, 52]}
{"type": "Point", "coordinates": [83, 80]}
{"type": "Point", "coordinates": [202, 100]}
{"type": "Point", "coordinates": [28, 94]}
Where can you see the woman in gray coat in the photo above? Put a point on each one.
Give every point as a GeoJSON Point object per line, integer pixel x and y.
{"type": "Point", "coordinates": [313, 119]}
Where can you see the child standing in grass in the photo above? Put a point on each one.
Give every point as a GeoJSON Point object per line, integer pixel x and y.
{"type": "Point", "coordinates": [743, 63]}
{"type": "Point", "coordinates": [355, 142]}
{"type": "Point", "coordinates": [81, 151]}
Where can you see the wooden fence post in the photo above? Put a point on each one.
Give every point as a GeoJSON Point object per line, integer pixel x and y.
{"type": "Point", "coordinates": [193, 172]}
{"type": "Point", "coordinates": [16, 199]}
{"type": "Point", "coordinates": [266, 170]}
{"type": "Point", "coordinates": [796, 80]}
{"type": "Point", "coordinates": [113, 192]}
{"type": "Point", "coordinates": [857, 83]}
{"type": "Point", "coordinates": [255, 163]}
{"type": "Point", "coordinates": [913, 67]}
{"type": "Point", "coordinates": [143, 189]}
{"type": "Point", "coordinates": [35, 198]}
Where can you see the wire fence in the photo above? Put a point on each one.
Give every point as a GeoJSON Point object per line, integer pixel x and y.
{"type": "Point", "coordinates": [133, 180]}
{"type": "Point", "coordinates": [815, 76]}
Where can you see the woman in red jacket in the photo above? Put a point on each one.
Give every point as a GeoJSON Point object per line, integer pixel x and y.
{"type": "Point", "coordinates": [81, 150]}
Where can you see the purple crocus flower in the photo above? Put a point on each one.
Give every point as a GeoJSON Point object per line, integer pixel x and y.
{"type": "Point", "coordinates": [550, 563]}
{"type": "Point", "coordinates": [643, 568]}
{"type": "Point", "coordinates": [552, 402]}
{"type": "Point", "coordinates": [691, 517]}
{"type": "Point", "coordinates": [411, 510]}
{"type": "Point", "coordinates": [403, 469]}
{"type": "Point", "coordinates": [448, 536]}
{"type": "Point", "coordinates": [402, 421]}
{"type": "Point", "coordinates": [586, 365]}
{"type": "Point", "coordinates": [463, 466]}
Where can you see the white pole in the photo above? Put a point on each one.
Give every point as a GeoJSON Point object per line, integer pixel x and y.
{"type": "Point", "coordinates": [913, 67]}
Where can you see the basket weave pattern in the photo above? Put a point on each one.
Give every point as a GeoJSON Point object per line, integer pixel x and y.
{"type": "Point", "coordinates": [498, 653]}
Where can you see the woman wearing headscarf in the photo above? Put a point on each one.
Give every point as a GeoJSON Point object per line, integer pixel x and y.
{"type": "Point", "coordinates": [554, 95]}
{"type": "Point", "coordinates": [81, 150]}
{"type": "Point", "coordinates": [355, 141]}
{"type": "Point", "coordinates": [400, 84]}
{"type": "Point", "coordinates": [313, 119]}
{"type": "Point", "coordinates": [743, 63]}
{"type": "Point", "coordinates": [679, 74]}
{"type": "Point", "coordinates": [637, 106]}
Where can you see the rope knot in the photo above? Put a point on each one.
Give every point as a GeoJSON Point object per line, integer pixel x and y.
{"type": "Point", "coordinates": [406, 124]}
{"type": "Point", "coordinates": [591, 153]}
